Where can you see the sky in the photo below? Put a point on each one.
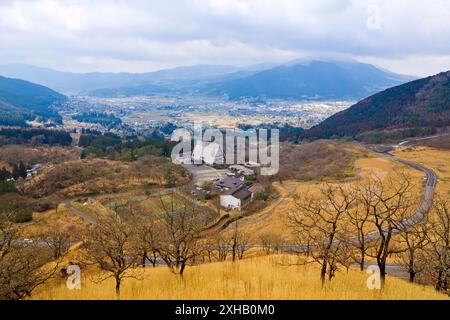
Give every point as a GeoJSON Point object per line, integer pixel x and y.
{"type": "Point", "coordinates": [405, 36]}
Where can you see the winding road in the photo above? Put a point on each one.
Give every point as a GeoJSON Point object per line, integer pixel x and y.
{"type": "Point", "coordinates": [429, 190]}
{"type": "Point", "coordinates": [426, 202]}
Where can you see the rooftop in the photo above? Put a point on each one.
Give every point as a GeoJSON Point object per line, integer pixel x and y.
{"type": "Point", "coordinates": [240, 192]}
{"type": "Point", "coordinates": [230, 182]}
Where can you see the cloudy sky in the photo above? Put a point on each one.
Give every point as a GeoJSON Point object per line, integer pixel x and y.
{"type": "Point", "coordinates": [406, 36]}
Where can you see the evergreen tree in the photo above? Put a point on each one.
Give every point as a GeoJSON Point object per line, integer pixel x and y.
{"type": "Point", "coordinates": [15, 172]}
{"type": "Point", "coordinates": [22, 169]}
{"type": "Point", "coordinates": [170, 178]}
{"type": "Point", "coordinates": [4, 174]}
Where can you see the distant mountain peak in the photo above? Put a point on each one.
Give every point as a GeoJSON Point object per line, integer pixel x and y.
{"type": "Point", "coordinates": [313, 78]}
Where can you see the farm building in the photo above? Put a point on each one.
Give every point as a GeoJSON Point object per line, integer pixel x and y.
{"type": "Point", "coordinates": [236, 198]}
{"type": "Point", "coordinates": [229, 183]}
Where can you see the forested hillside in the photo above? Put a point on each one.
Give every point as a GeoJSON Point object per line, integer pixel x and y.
{"type": "Point", "coordinates": [419, 107]}
{"type": "Point", "coordinates": [21, 100]}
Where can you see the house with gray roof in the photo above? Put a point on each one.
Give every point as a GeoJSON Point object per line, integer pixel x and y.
{"type": "Point", "coordinates": [229, 182]}
{"type": "Point", "coordinates": [236, 198]}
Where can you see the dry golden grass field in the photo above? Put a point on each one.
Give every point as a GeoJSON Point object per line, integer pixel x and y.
{"type": "Point", "coordinates": [435, 159]}
{"type": "Point", "coordinates": [51, 219]}
{"type": "Point", "coordinates": [268, 277]}
{"type": "Point", "coordinates": [224, 120]}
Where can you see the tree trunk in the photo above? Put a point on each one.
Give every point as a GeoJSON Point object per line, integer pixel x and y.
{"type": "Point", "coordinates": [323, 272]}
{"type": "Point", "coordinates": [144, 259]}
{"type": "Point", "coordinates": [412, 273]}
{"type": "Point", "coordinates": [183, 266]}
{"type": "Point", "coordinates": [330, 274]}
{"type": "Point", "coordinates": [362, 262]}
{"type": "Point", "coordinates": [154, 259]}
{"type": "Point", "coordinates": [412, 276]}
{"type": "Point", "coordinates": [118, 287]}
{"type": "Point", "coordinates": [441, 281]}
{"type": "Point", "coordinates": [382, 267]}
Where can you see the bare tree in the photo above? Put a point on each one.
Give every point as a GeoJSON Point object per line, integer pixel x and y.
{"type": "Point", "coordinates": [320, 219]}
{"type": "Point", "coordinates": [207, 248]}
{"type": "Point", "coordinates": [24, 265]}
{"type": "Point", "coordinates": [413, 238]}
{"type": "Point", "coordinates": [359, 219]}
{"type": "Point", "coordinates": [57, 240]}
{"type": "Point", "coordinates": [222, 247]}
{"type": "Point", "coordinates": [147, 236]}
{"type": "Point", "coordinates": [235, 241]}
{"type": "Point", "coordinates": [243, 244]}
{"type": "Point", "coordinates": [182, 223]}
{"type": "Point", "coordinates": [390, 202]}
{"type": "Point", "coordinates": [438, 251]}
{"type": "Point", "coordinates": [271, 242]}
{"type": "Point", "coordinates": [111, 244]}
{"type": "Point", "coordinates": [345, 255]}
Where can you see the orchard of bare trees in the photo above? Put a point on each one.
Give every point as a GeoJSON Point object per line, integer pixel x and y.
{"type": "Point", "coordinates": [339, 227]}
{"type": "Point", "coordinates": [174, 234]}
{"type": "Point", "coordinates": [26, 264]}
{"type": "Point", "coordinates": [380, 220]}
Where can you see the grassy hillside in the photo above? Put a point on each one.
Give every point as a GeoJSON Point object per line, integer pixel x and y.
{"type": "Point", "coordinates": [270, 277]}
{"type": "Point", "coordinates": [95, 176]}
{"type": "Point", "coordinates": [31, 155]}
{"type": "Point", "coordinates": [317, 160]}
{"type": "Point", "coordinates": [436, 159]}
{"type": "Point", "coordinates": [421, 105]}
{"type": "Point", "coordinates": [21, 100]}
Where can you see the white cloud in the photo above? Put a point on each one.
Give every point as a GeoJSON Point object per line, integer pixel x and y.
{"type": "Point", "coordinates": [141, 35]}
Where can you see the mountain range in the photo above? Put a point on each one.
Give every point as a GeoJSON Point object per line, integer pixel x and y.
{"type": "Point", "coordinates": [319, 79]}
{"type": "Point", "coordinates": [315, 79]}
{"type": "Point", "coordinates": [418, 106]}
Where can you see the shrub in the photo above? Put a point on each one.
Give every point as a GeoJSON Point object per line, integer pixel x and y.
{"type": "Point", "coordinates": [43, 206]}
{"type": "Point", "coordinates": [6, 187]}
{"type": "Point", "coordinates": [22, 216]}
{"type": "Point", "coordinates": [263, 196]}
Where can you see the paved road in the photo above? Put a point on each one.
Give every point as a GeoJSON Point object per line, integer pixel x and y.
{"type": "Point", "coordinates": [204, 173]}
{"type": "Point", "coordinates": [429, 189]}
{"type": "Point", "coordinates": [88, 218]}
{"type": "Point", "coordinates": [426, 202]}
